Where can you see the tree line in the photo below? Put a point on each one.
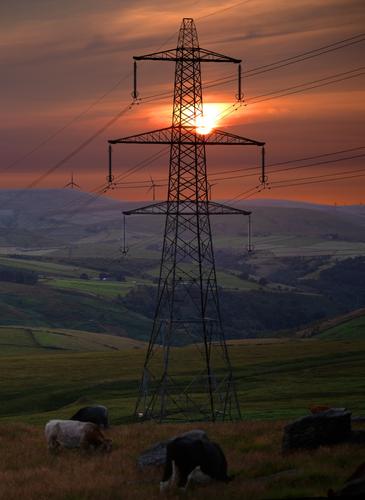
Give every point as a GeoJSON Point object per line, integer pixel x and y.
{"type": "Point", "coordinates": [13, 275]}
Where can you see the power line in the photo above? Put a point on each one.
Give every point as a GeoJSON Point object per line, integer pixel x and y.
{"type": "Point", "coordinates": [138, 167]}
{"type": "Point", "coordinates": [223, 9]}
{"type": "Point", "coordinates": [103, 188]}
{"type": "Point", "coordinates": [306, 89]}
{"type": "Point", "coordinates": [79, 148]}
{"type": "Point", "coordinates": [144, 183]}
{"type": "Point", "coordinates": [216, 82]}
{"type": "Point", "coordinates": [303, 87]}
{"type": "Point", "coordinates": [296, 160]}
{"type": "Point", "coordinates": [65, 126]}
{"type": "Point", "coordinates": [97, 101]}
{"type": "Point", "coordinates": [75, 151]}
{"type": "Point", "coordinates": [319, 181]}
{"type": "Point", "coordinates": [257, 189]}
{"type": "Point", "coordinates": [142, 164]}
{"type": "Point", "coordinates": [311, 53]}
{"type": "Point", "coordinates": [360, 68]}
{"type": "Point", "coordinates": [336, 160]}
{"type": "Point", "coordinates": [272, 66]}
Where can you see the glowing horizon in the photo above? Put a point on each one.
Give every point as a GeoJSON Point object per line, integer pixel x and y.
{"type": "Point", "coordinates": [52, 82]}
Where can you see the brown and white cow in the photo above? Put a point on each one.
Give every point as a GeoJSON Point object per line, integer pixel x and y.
{"type": "Point", "coordinates": [73, 434]}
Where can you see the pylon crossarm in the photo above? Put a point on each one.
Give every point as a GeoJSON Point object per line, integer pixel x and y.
{"type": "Point", "coordinates": [160, 136]}
{"type": "Point", "coordinates": [186, 208]}
{"type": "Point", "coordinates": [164, 55]}
{"type": "Point", "coordinates": [154, 209]}
{"type": "Point", "coordinates": [221, 209]}
{"type": "Point", "coordinates": [221, 137]}
{"type": "Point", "coordinates": [188, 135]}
{"type": "Point", "coordinates": [209, 56]}
{"type": "Point", "coordinates": [192, 54]}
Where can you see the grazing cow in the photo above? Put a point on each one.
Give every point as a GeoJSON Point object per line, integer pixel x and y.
{"type": "Point", "coordinates": [72, 434]}
{"type": "Point", "coordinates": [97, 414]}
{"type": "Point", "coordinates": [193, 460]}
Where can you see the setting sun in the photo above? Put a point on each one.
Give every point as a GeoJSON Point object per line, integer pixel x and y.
{"type": "Point", "coordinates": [209, 120]}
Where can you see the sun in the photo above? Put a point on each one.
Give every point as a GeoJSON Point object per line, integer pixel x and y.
{"type": "Point", "coordinates": [209, 119]}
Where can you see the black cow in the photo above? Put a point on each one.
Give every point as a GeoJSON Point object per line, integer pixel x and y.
{"type": "Point", "coordinates": [97, 414]}
{"type": "Point", "coordinates": [198, 460]}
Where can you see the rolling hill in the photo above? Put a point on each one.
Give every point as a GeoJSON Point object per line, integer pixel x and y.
{"type": "Point", "coordinates": [353, 329]}
{"type": "Point", "coordinates": [70, 243]}
{"type": "Point", "coordinates": [61, 219]}
{"type": "Point", "coordinates": [45, 307]}
{"type": "Point", "coordinates": [274, 379]}
{"type": "Point", "coordinates": [15, 340]}
{"type": "Point", "coordinates": [350, 326]}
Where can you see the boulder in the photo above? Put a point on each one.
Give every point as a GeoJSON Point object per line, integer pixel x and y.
{"type": "Point", "coordinates": [156, 454]}
{"type": "Point", "coordinates": [324, 428]}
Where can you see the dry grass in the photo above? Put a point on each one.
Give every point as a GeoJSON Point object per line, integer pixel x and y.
{"type": "Point", "coordinates": [27, 471]}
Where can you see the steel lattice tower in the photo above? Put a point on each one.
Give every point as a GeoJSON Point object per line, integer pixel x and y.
{"type": "Point", "coordinates": [187, 309]}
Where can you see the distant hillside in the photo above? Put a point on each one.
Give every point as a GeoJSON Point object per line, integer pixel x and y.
{"type": "Point", "coordinates": [24, 340]}
{"type": "Point", "coordinates": [353, 329]}
{"type": "Point", "coordinates": [346, 326]}
{"type": "Point", "coordinates": [43, 307]}
{"type": "Point", "coordinates": [306, 265]}
{"type": "Point", "coordinates": [57, 218]}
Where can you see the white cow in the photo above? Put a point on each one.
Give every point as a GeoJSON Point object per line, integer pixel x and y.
{"type": "Point", "coordinates": [74, 434]}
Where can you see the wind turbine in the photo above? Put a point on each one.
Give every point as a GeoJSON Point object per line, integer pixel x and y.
{"type": "Point", "coordinates": [210, 189]}
{"type": "Point", "coordinates": [153, 188]}
{"type": "Point", "coordinates": [72, 184]}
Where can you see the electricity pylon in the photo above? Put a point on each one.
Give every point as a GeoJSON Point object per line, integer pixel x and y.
{"type": "Point", "coordinates": [187, 309]}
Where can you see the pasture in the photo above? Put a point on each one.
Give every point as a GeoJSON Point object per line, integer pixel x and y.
{"type": "Point", "coordinates": [22, 340]}
{"type": "Point", "coordinates": [107, 289]}
{"type": "Point", "coordinates": [276, 379]}
{"type": "Point", "coordinates": [353, 329]}
{"type": "Point", "coordinates": [46, 268]}
{"type": "Point", "coordinates": [252, 449]}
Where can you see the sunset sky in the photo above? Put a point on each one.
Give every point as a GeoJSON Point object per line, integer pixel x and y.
{"type": "Point", "coordinates": [59, 57]}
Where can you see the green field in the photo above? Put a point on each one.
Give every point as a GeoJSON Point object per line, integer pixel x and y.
{"type": "Point", "coordinates": [108, 289]}
{"type": "Point", "coordinates": [225, 279]}
{"type": "Point", "coordinates": [19, 340]}
{"type": "Point", "coordinates": [277, 379]}
{"type": "Point", "coordinates": [49, 268]}
{"type": "Point", "coordinates": [47, 307]}
{"type": "Point", "coordinates": [351, 330]}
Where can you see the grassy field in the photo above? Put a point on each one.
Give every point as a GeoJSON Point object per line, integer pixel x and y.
{"type": "Point", "coordinates": [252, 450]}
{"type": "Point", "coordinates": [108, 289]}
{"type": "Point", "coordinates": [44, 306]}
{"type": "Point", "coordinates": [49, 268]}
{"type": "Point", "coordinates": [227, 280]}
{"type": "Point", "coordinates": [349, 326]}
{"type": "Point", "coordinates": [19, 340]}
{"type": "Point", "coordinates": [275, 379]}
{"type": "Point", "coordinates": [352, 330]}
